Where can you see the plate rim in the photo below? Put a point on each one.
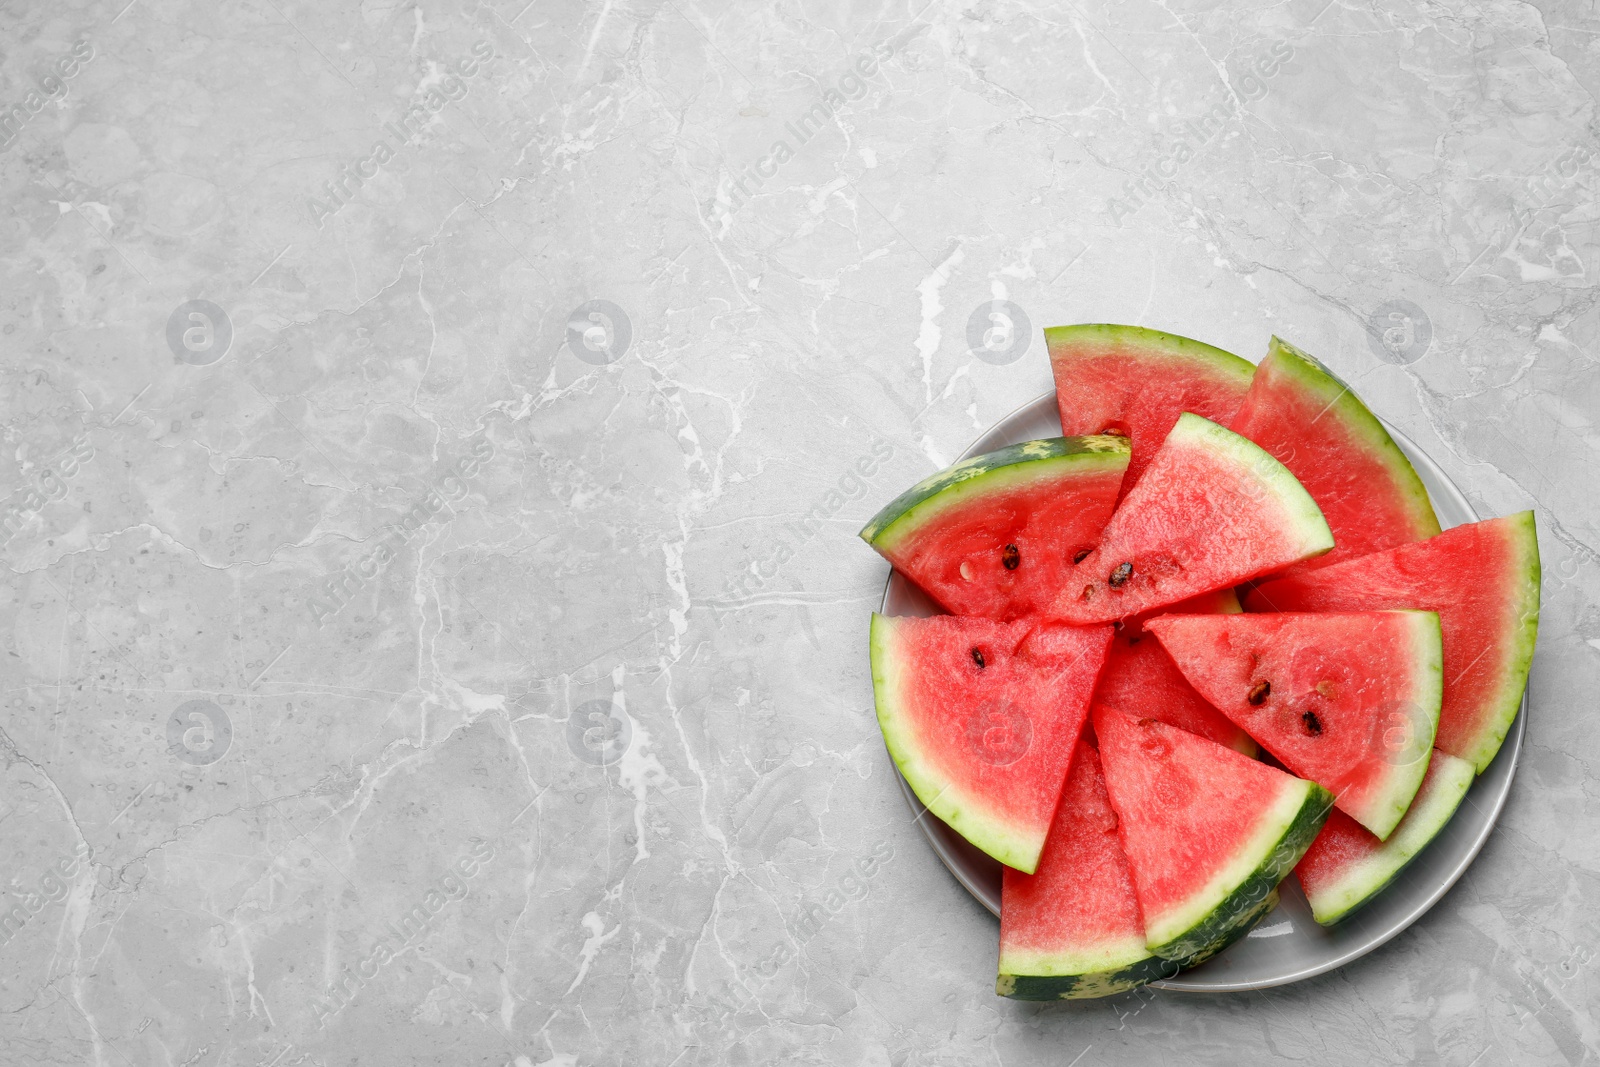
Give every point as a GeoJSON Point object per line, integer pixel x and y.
{"type": "Point", "coordinates": [1510, 751]}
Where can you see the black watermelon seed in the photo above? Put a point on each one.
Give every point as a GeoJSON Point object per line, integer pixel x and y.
{"type": "Point", "coordinates": [1123, 572]}
{"type": "Point", "coordinates": [1010, 557]}
{"type": "Point", "coordinates": [1312, 723]}
{"type": "Point", "coordinates": [1078, 556]}
{"type": "Point", "coordinates": [1259, 691]}
{"type": "Point", "coordinates": [977, 657]}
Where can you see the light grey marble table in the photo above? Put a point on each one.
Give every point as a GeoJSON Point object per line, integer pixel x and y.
{"type": "Point", "coordinates": [435, 435]}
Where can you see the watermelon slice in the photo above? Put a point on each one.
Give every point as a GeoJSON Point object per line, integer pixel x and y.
{"type": "Point", "coordinates": [1136, 382]}
{"type": "Point", "coordinates": [1072, 929]}
{"type": "Point", "coordinates": [1302, 414]}
{"type": "Point", "coordinates": [1208, 832]}
{"type": "Point", "coordinates": [1141, 679]}
{"type": "Point", "coordinates": [1210, 511]}
{"type": "Point", "coordinates": [1346, 866]}
{"type": "Point", "coordinates": [1483, 580]}
{"type": "Point", "coordinates": [995, 535]}
{"type": "Point", "coordinates": [1350, 701]}
{"type": "Point", "coordinates": [982, 718]}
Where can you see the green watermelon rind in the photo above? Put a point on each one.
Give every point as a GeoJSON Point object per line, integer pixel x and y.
{"type": "Point", "coordinates": [1209, 925]}
{"type": "Point", "coordinates": [974, 478]}
{"type": "Point", "coordinates": [1152, 342]}
{"type": "Point", "coordinates": [961, 813]}
{"type": "Point", "coordinates": [1430, 814]}
{"type": "Point", "coordinates": [1038, 976]}
{"type": "Point", "coordinates": [1081, 980]}
{"type": "Point", "coordinates": [1386, 810]}
{"type": "Point", "coordinates": [1299, 513]}
{"type": "Point", "coordinates": [1342, 403]}
{"type": "Point", "coordinates": [1520, 654]}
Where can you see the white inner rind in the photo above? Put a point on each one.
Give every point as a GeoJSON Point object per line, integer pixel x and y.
{"type": "Point", "coordinates": [1429, 814]}
{"type": "Point", "coordinates": [1274, 823]}
{"type": "Point", "coordinates": [962, 812]}
{"type": "Point", "coordinates": [1111, 955]}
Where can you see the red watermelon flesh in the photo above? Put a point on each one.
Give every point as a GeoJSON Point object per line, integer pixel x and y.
{"type": "Point", "coordinates": [1141, 679]}
{"type": "Point", "coordinates": [1208, 832]}
{"type": "Point", "coordinates": [1136, 382]}
{"type": "Point", "coordinates": [1211, 511]}
{"type": "Point", "coordinates": [1483, 581]}
{"type": "Point", "coordinates": [1302, 414]}
{"type": "Point", "coordinates": [982, 718]}
{"type": "Point", "coordinates": [1072, 928]}
{"type": "Point", "coordinates": [1350, 701]}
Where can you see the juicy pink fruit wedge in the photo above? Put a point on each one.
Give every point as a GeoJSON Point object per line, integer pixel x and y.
{"type": "Point", "coordinates": [1346, 865]}
{"type": "Point", "coordinates": [995, 535]}
{"type": "Point", "coordinates": [982, 718]}
{"type": "Point", "coordinates": [1208, 832]}
{"type": "Point", "coordinates": [1302, 414]}
{"type": "Point", "coordinates": [1350, 701]}
{"type": "Point", "coordinates": [1136, 382]}
{"type": "Point", "coordinates": [1072, 928]}
{"type": "Point", "coordinates": [1483, 581]}
{"type": "Point", "coordinates": [1141, 679]}
{"type": "Point", "coordinates": [1211, 511]}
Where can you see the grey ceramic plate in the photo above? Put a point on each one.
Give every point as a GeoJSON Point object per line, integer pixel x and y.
{"type": "Point", "coordinates": [1288, 945]}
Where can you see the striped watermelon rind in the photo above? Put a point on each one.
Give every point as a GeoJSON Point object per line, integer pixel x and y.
{"type": "Point", "coordinates": [1231, 903]}
{"type": "Point", "coordinates": [1011, 467]}
{"type": "Point", "coordinates": [1125, 966]}
{"type": "Point", "coordinates": [1435, 805]}
{"type": "Point", "coordinates": [1520, 531]}
{"type": "Point", "coordinates": [1064, 342]}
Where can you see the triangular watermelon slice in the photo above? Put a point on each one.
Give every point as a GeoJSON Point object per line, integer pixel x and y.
{"type": "Point", "coordinates": [982, 718]}
{"type": "Point", "coordinates": [1346, 866]}
{"type": "Point", "coordinates": [1302, 414]}
{"type": "Point", "coordinates": [995, 535]}
{"type": "Point", "coordinates": [1483, 580]}
{"type": "Point", "coordinates": [1208, 832]}
{"type": "Point", "coordinates": [1136, 382]}
{"type": "Point", "coordinates": [1350, 701]}
{"type": "Point", "coordinates": [1211, 511]}
{"type": "Point", "coordinates": [1072, 928]}
{"type": "Point", "coordinates": [1141, 679]}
